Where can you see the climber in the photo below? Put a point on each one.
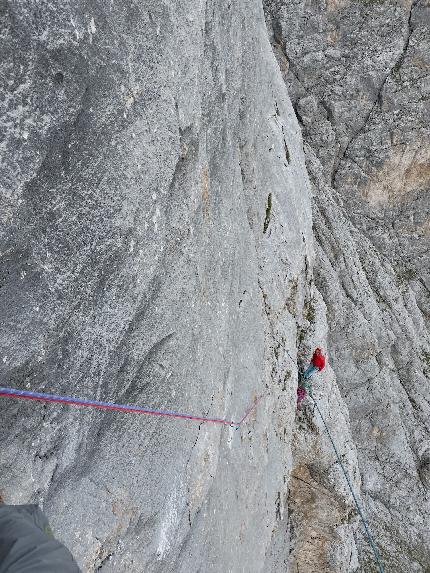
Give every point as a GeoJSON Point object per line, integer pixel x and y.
{"type": "Point", "coordinates": [317, 364]}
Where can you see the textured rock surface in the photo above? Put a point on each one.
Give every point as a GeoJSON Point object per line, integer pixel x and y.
{"type": "Point", "coordinates": [157, 248]}
{"type": "Point", "coordinates": [358, 75]}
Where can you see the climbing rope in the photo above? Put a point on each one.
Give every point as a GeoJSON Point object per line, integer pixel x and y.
{"type": "Point", "coordinates": [40, 396]}
{"type": "Point", "coordinates": [351, 489]}
{"type": "Point", "coordinates": [28, 395]}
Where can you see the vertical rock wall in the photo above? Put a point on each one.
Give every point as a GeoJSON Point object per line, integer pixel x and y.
{"type": "Point", "coordinates": [358, 76]}
{"type": "Point", "coordinates": [156, 249]}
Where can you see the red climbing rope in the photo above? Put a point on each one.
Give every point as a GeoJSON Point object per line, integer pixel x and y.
{"type": "Point", "coordinates": [28, 395]}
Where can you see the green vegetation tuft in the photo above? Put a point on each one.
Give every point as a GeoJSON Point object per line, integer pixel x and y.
{"type": "Point", "coordinates": [290, 303]}
{"type": "Point", "coordinates": [268, 212]}
{"type": "Point", "coordinates": [287, 152]}
{"type": "Point", "coordinates": [426, 357]}
{"type": "Point", "coordinates": [405, 275]}
{"type": "Point", "coordinates": [309, 312]}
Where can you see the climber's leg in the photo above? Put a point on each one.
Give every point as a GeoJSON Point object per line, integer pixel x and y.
{"type": "Point", "coordinates": [301, 395]}
{"type": "Point", "coordinates": [309, 371]}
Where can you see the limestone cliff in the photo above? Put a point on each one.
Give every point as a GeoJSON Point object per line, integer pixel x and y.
{"type": "Point", "coordinates": [168, 239]}
{"type": "Point", "coordinates": [358, 76]}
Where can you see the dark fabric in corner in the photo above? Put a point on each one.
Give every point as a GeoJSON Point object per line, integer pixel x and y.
{"type": "Point", "coordinates": [27, 544]}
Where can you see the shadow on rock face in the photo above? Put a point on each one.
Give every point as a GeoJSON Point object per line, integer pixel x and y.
{"type": "Point", "coordinates": [424, 469]}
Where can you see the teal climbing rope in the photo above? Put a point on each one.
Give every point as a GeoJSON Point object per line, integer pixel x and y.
{"type": "Point", "coordinates": [351, 489]}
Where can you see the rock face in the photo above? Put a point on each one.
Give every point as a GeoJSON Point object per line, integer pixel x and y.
{"type": "Point", "coordinates": [158, 248]}
{"type": "Point", "coordinates": [358, 75]}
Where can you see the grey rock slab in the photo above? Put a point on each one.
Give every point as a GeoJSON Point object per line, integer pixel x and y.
{"type": "Point", "coordinates": [357, 74]}
{"type": "Point", "coordinates": [143, 262]}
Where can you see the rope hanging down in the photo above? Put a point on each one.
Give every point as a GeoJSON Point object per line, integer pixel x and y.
{"type": "Point", "coordinates": [351, 489]}
{"type": "Point", "coordinates": [28, 395]}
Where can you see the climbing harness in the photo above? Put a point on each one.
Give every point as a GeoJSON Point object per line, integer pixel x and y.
{"type": "Point", "coordinates": [351, 489]}
{"type": "Point", "coordinates": [28, 395]}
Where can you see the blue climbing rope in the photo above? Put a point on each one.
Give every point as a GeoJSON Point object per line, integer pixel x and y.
{"type": "Point", "coordinates": [348, 481]}
{"type": "Point", "coordinates": [43, 397]}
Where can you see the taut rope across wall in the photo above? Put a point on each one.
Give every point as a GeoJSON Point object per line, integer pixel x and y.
{"type": "Point", "coordinates": [40, 396]}
{"type": "Point", "coordinates": [69, 400]}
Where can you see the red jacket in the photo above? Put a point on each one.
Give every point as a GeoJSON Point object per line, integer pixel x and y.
{"type": "Point", "coordinates": [318, 360]}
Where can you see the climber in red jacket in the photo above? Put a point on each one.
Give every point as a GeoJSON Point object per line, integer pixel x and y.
{"type": "Point", "coordinates": [317, 364]}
